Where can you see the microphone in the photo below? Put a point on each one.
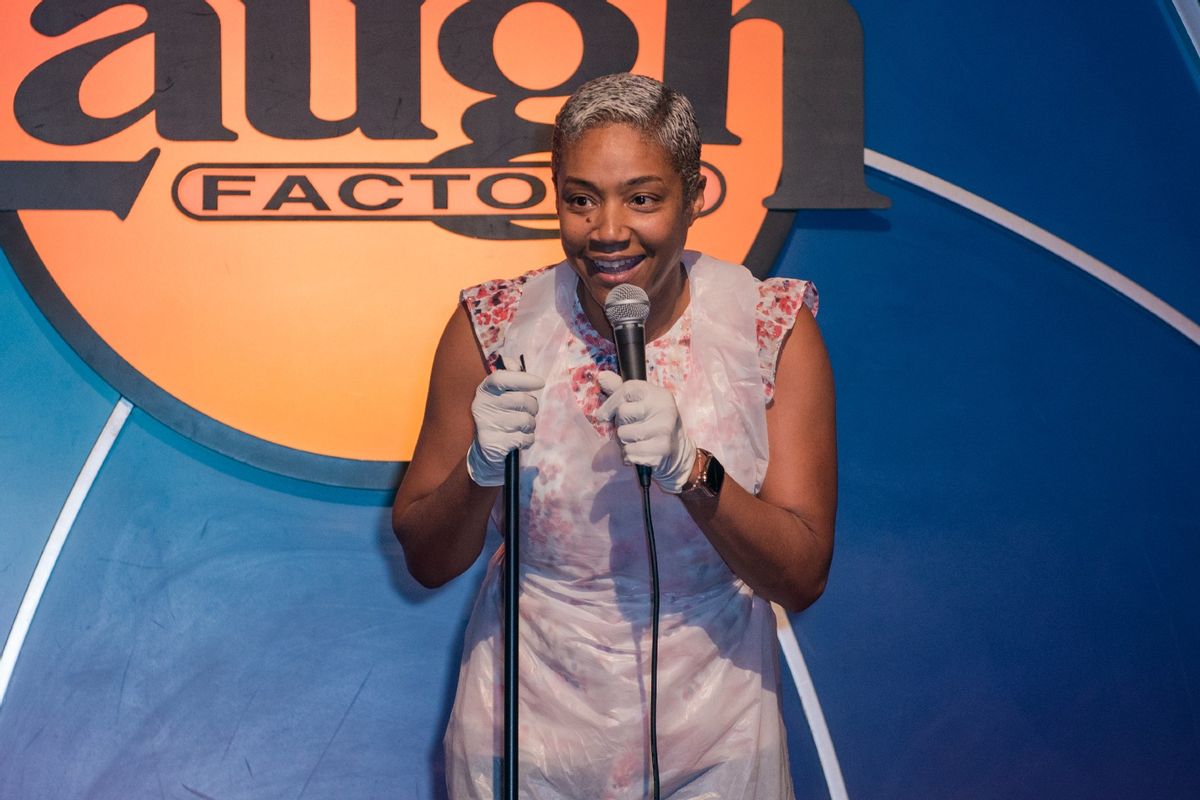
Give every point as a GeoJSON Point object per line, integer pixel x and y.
{"type": "Point", "coordinates": [627, 307]}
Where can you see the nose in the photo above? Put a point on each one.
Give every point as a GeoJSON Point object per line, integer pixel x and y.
{"type": "Point", "coordinates": [610, 233]}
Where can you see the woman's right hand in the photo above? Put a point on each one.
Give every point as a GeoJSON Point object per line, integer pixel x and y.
{"type": "Point", "coordinates": [505, 412]}
{"type": "Point", "coordinates": [440, 516]}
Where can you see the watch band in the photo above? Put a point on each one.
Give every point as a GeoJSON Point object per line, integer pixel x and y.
{"type": "Point", "coordinates": [709, 479]}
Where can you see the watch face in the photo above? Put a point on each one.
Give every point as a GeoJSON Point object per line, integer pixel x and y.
{"type": "Point", "coordinates": [714, 476]}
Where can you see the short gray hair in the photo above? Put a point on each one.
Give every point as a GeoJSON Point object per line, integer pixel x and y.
{"type": "Point", "coordinates": [659, 112]}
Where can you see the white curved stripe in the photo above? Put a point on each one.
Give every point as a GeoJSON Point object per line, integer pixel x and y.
{"type": "Point", "coordinates": [1189, 14]}
{"type": "Point", "coordinates": [54, 543]}
{"type": "Point", "coordinates": [812, 706]}
{"type": "Point", "coordinates": [1039, 236]}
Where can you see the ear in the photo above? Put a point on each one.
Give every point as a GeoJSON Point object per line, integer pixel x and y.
{"type": "Point", "coordinates": [698, 201]}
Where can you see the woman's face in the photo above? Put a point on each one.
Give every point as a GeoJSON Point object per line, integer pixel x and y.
{"type": "Point", "coordinates": [624, 219]}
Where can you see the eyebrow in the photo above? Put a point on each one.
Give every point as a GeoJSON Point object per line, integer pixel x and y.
{"type": "Point", "coordinates": [638, 181]}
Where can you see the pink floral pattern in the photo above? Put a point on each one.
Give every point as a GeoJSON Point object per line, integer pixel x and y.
{"type": "Point", "coordinates": [491, 305]}
{"type": "Point", "coordinates": [779, 301]}
{"type": "Point", "coordinates": [668, 358]}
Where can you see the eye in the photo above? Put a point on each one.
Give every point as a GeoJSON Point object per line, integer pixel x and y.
{"type": "Point", "coordinates": [643, 200]}
{"type": "Point", "coordinates": [579, 201]}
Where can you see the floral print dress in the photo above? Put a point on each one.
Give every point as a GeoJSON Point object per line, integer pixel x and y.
{"type": "Point", "coordinates": [585, 585]}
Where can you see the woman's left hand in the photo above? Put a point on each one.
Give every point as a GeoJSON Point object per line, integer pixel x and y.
{"type": "Point", "coordinates": [649, 429]}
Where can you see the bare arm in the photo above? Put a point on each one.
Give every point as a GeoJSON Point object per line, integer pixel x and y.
{"type": "Point", "coordinates": [440, 514]}
{"type": "Point", "coordinates": [780, 542]}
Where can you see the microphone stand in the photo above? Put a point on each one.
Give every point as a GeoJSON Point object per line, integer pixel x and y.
{"type": "Point", "coordinates": [511, 584]}
{"type": "Point", "coordinates": [512, 534]}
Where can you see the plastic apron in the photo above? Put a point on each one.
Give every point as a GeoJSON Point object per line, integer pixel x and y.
{"type": "Point", "coordinates": [585, 596]}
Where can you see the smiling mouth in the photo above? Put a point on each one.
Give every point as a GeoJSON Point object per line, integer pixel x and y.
{"type": "Point", "coordinates": [615, 266]}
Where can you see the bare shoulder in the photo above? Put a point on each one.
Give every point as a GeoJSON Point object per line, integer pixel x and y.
{"type": "Point", "coordinates": [446, 428]}
{"type": "Point", "coordinates": [458, 360]}
{"type": "Point", "coordinates": [801, 429]}
{"type": "Point", "coordinates": [803, 360]}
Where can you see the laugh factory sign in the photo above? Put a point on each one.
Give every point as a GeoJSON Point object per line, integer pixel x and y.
{"type": "Point", "coordinates": [252, 217]}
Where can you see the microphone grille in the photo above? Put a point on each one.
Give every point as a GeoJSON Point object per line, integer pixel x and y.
{"type": "Point", "coordinates": [627, 304]}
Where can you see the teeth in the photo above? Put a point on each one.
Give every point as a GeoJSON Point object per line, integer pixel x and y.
{"type": "Point", "coordinates": [615, 266]}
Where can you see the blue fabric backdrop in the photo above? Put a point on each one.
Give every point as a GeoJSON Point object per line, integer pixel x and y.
{"type": "Point", "coordinates": [1012, 611]}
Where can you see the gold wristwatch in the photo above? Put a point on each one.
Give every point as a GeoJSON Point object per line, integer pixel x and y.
{"type": "Point", "coordinates": [709, 476]}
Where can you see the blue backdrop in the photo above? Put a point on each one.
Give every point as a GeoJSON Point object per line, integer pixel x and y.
{"type": "Point", "coordinates": [1012, 611]}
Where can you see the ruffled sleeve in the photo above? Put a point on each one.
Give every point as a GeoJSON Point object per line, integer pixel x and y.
{"type": "Point", "coordinates": [491, 306]}
{"type": "Point", "coordinates": [779, 301]}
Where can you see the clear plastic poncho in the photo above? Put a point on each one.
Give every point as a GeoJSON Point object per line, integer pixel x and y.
{"type": "Point", "coordinates": [585, 583]}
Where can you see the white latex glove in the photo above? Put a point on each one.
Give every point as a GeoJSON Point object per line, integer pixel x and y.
{"type": "Point", "coordinates": [505, 412]}
{"type": "Point", "coordinates": [649, 429]}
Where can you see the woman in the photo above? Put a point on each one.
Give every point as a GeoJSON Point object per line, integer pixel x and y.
{"type": "Point", "coordinates": [736, 370]}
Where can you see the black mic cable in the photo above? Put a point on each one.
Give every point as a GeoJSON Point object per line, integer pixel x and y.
{"type": "Point", "coordinates": [648, 523]}
{"type": "Point", "coordinates": [626, 308]}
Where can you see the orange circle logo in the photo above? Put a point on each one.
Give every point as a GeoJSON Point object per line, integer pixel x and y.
{"type": "Point", "coordinates": [253, 216]}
